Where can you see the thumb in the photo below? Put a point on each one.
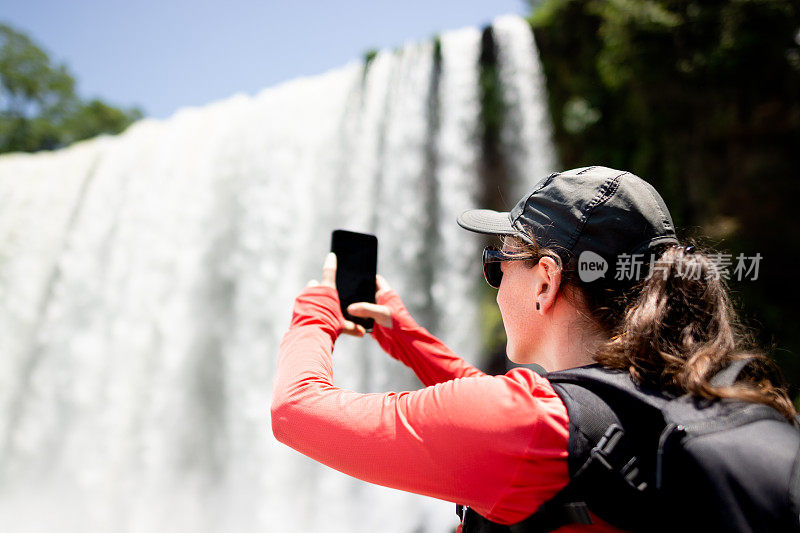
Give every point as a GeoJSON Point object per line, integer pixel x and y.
{"type": "Point", "coordinates": [379, 313]}
{"type": "Point", "coordinates": [381, 285]}
{"type": "Point", "coordinates": [329, 271]}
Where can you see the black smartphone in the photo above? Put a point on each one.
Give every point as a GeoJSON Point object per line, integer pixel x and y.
{"type": "Point", "coordinates": [357, 264]}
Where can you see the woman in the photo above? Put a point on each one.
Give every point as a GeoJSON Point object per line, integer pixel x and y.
{"type": "Point", "coordinates": [498, 444]}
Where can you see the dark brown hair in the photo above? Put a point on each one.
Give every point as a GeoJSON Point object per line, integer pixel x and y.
{"type": "Point", "coordinates": [674, 329]}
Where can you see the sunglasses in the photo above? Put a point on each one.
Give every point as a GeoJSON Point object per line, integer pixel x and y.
{"type": "Point", "coordinates": [492, 257]}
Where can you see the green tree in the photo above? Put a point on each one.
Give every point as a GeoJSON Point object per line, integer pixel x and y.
{"type": "Point", "coordinates": [39, 109]}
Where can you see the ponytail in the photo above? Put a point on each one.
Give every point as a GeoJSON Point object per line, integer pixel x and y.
{"type": "Point", "coordinates": [679, 328]}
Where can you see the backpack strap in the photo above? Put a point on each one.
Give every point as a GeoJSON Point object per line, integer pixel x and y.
{"type": "Point", "coordinates": [600, 404]}
{"type": "Point", "coordinates": [568, 506]}
{"type": "Point", "coordinates": [598, 455]}
{"type": "Point", "coordinates": [733, 373]}
{"type": "Point", "coordinates": [590, 419]}
{"type": "Point", "coordinates": [728, 375]}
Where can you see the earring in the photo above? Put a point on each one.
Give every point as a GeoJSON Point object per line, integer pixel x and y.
{"type": "Point", "coordinates": [686, 249]}
{"type": "Point", "coordinates": [537, 305]}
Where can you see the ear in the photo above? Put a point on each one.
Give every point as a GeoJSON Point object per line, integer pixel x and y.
{"type": "Point", "coordinates": [548, 284]}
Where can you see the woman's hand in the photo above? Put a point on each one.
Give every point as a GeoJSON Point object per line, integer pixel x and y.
{"type": "Point", "coordinates": [380, 313]}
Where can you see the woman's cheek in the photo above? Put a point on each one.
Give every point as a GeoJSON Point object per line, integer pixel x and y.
{"type": "Point", "coordinates": [519, 317]}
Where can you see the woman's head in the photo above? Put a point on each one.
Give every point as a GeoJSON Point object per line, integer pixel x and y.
{"type": "Point", "coordinates": [669, 321]}
{"type": "Point", "coordinates": [591, 215]}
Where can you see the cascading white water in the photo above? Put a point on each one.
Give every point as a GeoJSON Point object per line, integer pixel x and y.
{"type": "Point", "coordinates": [526, 135]}
{"type": "Point", "coordinates": [146, 281]}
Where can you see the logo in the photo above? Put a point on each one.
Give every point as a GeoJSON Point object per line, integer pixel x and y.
{"type": "Point", "coordinates": [591, 266]}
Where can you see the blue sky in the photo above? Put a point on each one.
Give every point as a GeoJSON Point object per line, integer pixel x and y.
{"type": "Point", "coordinates": [163, 55]}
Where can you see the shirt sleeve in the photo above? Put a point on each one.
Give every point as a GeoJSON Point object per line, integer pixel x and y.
{"type": "Point", "coordinates": [495, 443]}
{"type": "Point", "coordinates": [430, 359]}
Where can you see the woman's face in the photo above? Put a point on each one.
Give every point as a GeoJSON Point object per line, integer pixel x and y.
{"type": "Point", "coordinates": [516, 299]}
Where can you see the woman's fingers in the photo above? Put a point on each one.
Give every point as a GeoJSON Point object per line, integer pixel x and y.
{"type": "Point", "coordinates": [351, 328]}
{"type": "Point", "coordinates": [379, 313]}
{"type": "Point", "coordinates": [329, 271]}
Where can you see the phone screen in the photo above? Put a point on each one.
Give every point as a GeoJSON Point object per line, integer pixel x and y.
{"type": "Point", "coordinates": [357, 263]}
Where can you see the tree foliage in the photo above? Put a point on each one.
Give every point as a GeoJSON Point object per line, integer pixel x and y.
{"type": "Point", "coordinates": [39, 109]}
{"type": "Point", "coordinates": [703, 100]}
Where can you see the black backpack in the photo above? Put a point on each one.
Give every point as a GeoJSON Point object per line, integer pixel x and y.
{"type": "Point", "coordinates": [644, 461]}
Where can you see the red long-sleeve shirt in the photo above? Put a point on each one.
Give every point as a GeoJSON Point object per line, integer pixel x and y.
{"type": "Point", "coordinates": [495, 443]}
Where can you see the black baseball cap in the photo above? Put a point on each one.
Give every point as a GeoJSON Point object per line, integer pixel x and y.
{"type": "Point", "coordinates": [592, 209]}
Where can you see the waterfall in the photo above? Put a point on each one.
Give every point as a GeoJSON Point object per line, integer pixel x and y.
{"type": "Point", "coordinates": [146, 281]}
{"type": "Point", "coordinates": [526, 136]}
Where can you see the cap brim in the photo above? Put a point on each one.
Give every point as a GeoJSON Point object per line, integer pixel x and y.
{"type": "Point", "coordinates": [487, 221]}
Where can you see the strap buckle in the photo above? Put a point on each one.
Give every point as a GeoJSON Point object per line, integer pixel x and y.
{"type": "Point", "coordinates": [608, 453]}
